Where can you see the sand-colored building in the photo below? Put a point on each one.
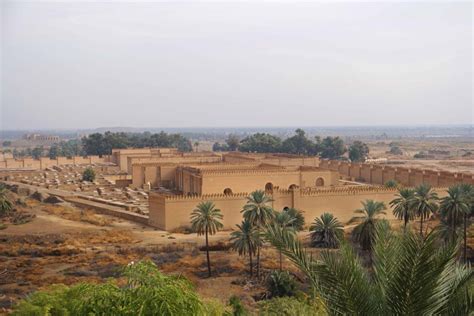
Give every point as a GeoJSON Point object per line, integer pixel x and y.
{"type": "Point", "coordinates": [305, 183]}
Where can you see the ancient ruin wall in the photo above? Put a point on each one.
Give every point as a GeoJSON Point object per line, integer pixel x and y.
{"type": "Point", "coordinates": [43, 163]}
{"type": "Point", "coordinates": [380, 174]}
{"type": "Point", "coordinates": [170, 212]}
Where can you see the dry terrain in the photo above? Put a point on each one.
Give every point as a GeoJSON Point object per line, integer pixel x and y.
{"type": "Point", "coordinates": [454, 155]}
{"type": "Point", "coordinates": [64, 244]}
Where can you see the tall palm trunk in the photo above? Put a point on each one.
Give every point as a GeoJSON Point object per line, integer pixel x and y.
{"type": "Point", "coordinates": [258, 261]}
{"type": "Point", "coordinates": [421, 225]}
{"type": "Point", "coordinates": [258, 253]}
{"type": "Point", "coordinates": [406, 220]}
{"type": "Point", "coordinates": [465, 237]}
{"type": "Point", "coordinates": [453, 227]}
{"type": "Point", "coordinates": [250, 260]}
{"type": "Point", "coordinates": [207, 255]}
{"type": "Point", "coordinates": [281, 259]}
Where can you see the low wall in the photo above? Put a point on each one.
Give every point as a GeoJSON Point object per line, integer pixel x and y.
{"type": "Point", "coordinates": [43, 163]}
{"type": "Point", "coordinates": [170, 212]}
{"type": "Point", "coordinates": [380, 174]}
{"type": "Point", "coordinates": [109, 210]}
{"type": "Point", "coordinates": [99, 205]}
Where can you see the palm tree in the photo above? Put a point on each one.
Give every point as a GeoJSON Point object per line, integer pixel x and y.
{"type": "Point", "coordinates": [402, 205]}
{"type": "Point", "coordinates": [326, 231]}
{"type": "Point", "coordinates": [285, 222]}
{"type": "Point", "coordinates": [424, 203]}
{"type": "Point", "coordinates": [298, 223]}
{"type": "Point", "coordinates": [453, 207]}
{"type": "Point", "coordinates": [364, 232]}
{"type": "Point", "coordinates": [468, 195]}
{"type": "Point", "coordinates": [412, 275]}
{"type": "Point", "coordinates": [205, 220]}
{"type": "Point", "coordinates": [5, 204]}
{"type": "Point", "coordinates": [245, 241]}
{"type": "Point", "coordinates": [196, 145]}
{"type": "Point", "coordinates": [258, 213]}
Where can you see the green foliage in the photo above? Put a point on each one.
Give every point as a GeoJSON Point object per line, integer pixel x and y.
{"type": "Point", "coordinates": [261, 143]}
{"type": "Point", "coordinates": [238, 309]}
{"type": "Point", "coordinates": [148, 292]}
{"type": "Point", "coordinates": [206, 220]}
{"type": "Point", "coordinates": [6, 143]}
{"type": "Point", "coordinates": [367, 217]}
{"type": "Point", "coordinates": [257, 209]}
{"type": "Point", "coordinates": [66, 149]}
{"type": "Point", "coordinates": [6, 205]}
{"type": "Point", "coordinates": [412, 275]}
{"type": "Point", "coordinates": [281, 283]}
{"type": "Point", "coordinates": [37, 152]}
{"type": "Point", "coordinates": [298, 218]}
{"type": "Point", "coordinates": [391, 184]}
{"type": "Point", "coordinates": [291, 306]}
{"type": "Point", "coordinates": [258, 213]}
{"type": "Point", "coordinates": [424, 203]}
{"type": "Point", "coordinates": [332, 147]}
{"type": "Point", "coordinates": [326, 231]}
{"type": "Point", "coordinates": [102, 144]}
{"type": "Point", "coordinates": [220, 147]}
{"type": "Point", "coordinates": [232, 142]}
{"type": "Point", "coordinates": [402, 205]}
{"type": "Point", "coordinates": [245, 241]}
{"type": "Point", "coordinates": [358, 151]}
{"type": "Point", "coordinates": [453, 207]}
{"type": "Point", "coordinates": [395, 150]}
{"type": "Point", "coordinates": [88, 175]}
{"type": "Point", "coordinates": [299, 144]}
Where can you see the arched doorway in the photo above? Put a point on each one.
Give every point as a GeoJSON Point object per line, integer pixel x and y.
{"type": "Point", "coordinates": [292, 187]}
{"type": "Point", "coordinates": [319, 182]}
{"type": "Point", "coordinates": [228, 191]}
{"type": "Point", "coordinates": [286, 209]}
{"type": "Point", "coordinates": [269, 187]}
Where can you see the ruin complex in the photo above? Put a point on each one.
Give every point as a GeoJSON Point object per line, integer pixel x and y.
{"type": "Point", "coordinates": [161, 186]}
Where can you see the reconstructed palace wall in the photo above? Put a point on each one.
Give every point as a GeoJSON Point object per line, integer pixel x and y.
{"type": "Point", "coordinates": [170, 212]}
{"type": "Point", "coordinates": [241, 181]}
{"type": "Point", "coordinates": [43, 163]}
{"type": "Point", "coordinates": [380, 174]}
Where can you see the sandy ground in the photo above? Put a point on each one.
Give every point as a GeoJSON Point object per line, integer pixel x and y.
{"type": "Point", "coordinates": [53, 249]}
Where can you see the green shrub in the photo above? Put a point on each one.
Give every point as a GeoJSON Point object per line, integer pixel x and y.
{"type": "Point", "coordinates": [291, 306]}
{"type": "Point", "coordinates": [147, 292]}
{"type": "Point", "coordinates": [88, 175]}
{"type": "Point", "coordinates": [391, 184]}
{"type": "Point", "coordinates": [281, 283]}
{"type": "Point", "coordinates": [238, 308]}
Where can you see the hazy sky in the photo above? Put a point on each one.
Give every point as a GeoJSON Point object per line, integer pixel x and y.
{"type": "Point", "coordinates": [83, 64]}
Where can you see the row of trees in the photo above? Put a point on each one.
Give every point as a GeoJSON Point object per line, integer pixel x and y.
{"type": "Point", "coordinates": [454, 210]}
{"type": "Point", "coordinates": [408, 272]}
{"type": "Point", "coordinates": [102, 144]}
{"type": "Point", "coordinates": [299, 144]}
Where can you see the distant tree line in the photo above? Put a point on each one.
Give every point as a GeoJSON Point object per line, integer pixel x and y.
{"type": "Point", "coordinates": [102, 144]}
{"type": "Point", "coordinates": [298, 144]}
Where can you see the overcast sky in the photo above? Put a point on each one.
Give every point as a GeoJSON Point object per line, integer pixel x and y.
{"type": "Point", "coordinates": [86, 65]}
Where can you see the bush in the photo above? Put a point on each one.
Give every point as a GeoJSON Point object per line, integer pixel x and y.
{"type": "Point", "coordinates": [238, 308]}
{"type": "Point", "coordinates": [281, 283]}
{"type": "Point", "coordinates": [88, 175]}
{"type": "Point", "coordinates": [290, 306]}
{"type": "Point", "coordinates": [147, 292]}
{"type": "Point", "coordinates": [391, 184]}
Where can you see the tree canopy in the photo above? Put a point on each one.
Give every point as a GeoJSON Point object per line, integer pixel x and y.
{"type": "Point", "coordinates": [102, 144]}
